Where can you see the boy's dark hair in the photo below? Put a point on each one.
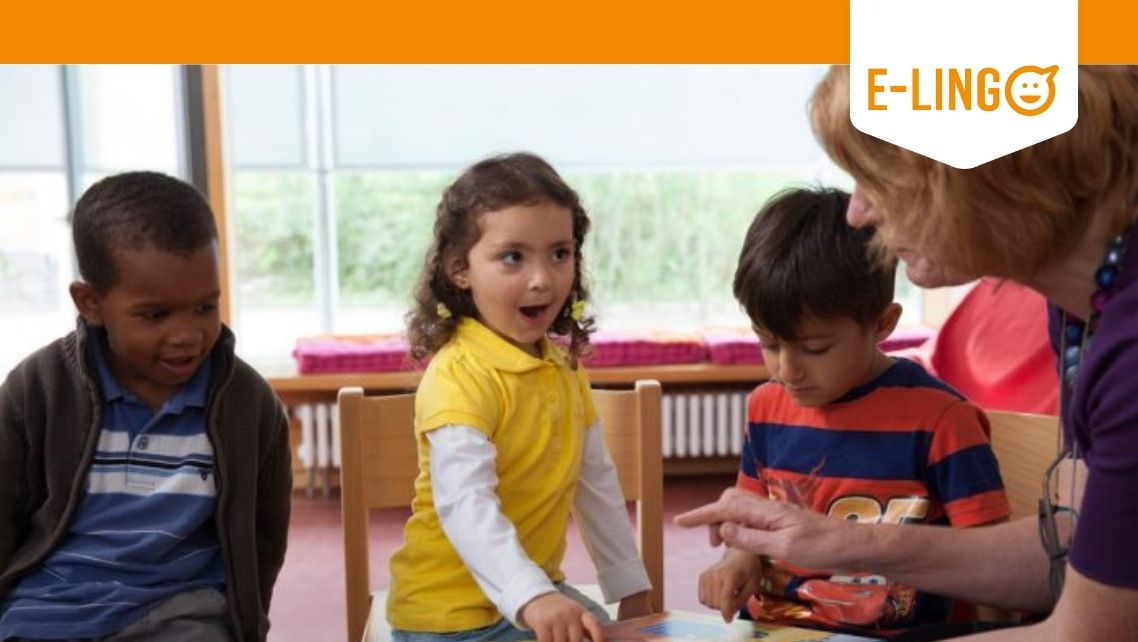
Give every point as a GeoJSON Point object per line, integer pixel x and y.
{"type": "Point", "coordinates": [133, 211]}
{"type": "Point", "coordinates": [801, 258]}
{"type": "Point", "coordinates": [490, 185]}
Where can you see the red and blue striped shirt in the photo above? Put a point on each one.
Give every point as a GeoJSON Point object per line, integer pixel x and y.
{"type": "Point", "coordinates": [903, 448]}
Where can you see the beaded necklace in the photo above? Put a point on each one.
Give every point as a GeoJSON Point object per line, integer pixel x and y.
{"type": "Point", "coordinates": [1077, 335]}
{"type": "Point", "coordinates": [1074, 342]}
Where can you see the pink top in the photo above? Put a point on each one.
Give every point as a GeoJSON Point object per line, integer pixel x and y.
{"type": "Point", "coordinates": [995, 349]}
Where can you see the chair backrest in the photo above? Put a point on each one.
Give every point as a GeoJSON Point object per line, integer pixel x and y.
{"type": "Point", "coordinates": [379, 464]}
{"type": "Point", "coordinates": [1024, 445]}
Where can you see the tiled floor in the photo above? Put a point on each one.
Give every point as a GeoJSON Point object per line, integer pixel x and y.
{"type": "Point", "coordinates": [308, 605]}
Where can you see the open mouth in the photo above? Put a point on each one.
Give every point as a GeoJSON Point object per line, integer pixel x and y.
{"type": "Point", "coordinates": [533, 311]}
{"type": "Point", "coordinates": [179, 365]}
{"type": "Point", "coordinates": [1029, 98]}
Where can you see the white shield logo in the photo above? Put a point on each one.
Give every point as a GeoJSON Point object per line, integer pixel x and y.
{"type": "Point", "coordinates": [967, 81]}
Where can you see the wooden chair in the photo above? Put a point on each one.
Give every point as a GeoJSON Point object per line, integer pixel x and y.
{"type": "Point", "coordinates": [379, 464]}
{"type": "Point", "coordinates": [1024, 445]}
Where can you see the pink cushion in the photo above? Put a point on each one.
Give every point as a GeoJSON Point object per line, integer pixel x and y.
{"type": "Point", "coordinates": [723, 346]}
{"type": "Point", "coordinates": [352, 353]}
{"type": "Point", "coordinates": [732, 346]}
{"type": "Point", "coordinates": [612, 349]}
{"type": "Point", "coordinates": [735, 346]}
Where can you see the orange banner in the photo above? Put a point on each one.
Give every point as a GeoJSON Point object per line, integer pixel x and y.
{"type": "Point", "coordinates": [590, 31]}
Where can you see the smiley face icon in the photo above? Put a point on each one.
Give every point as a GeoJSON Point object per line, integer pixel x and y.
{"type": "Point", "coordinates": [1030, 90]}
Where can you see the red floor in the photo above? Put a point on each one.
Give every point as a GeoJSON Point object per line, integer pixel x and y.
{"type": "Point", "coordinates": [308, 604]}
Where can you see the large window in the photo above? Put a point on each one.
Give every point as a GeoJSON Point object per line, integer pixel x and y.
{"type": "Point", "coordinates": [335, 173]}
{"type": "Point", "coordinates": [61, 129]}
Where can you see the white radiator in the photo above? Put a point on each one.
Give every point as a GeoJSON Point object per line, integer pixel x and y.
{"type": "Point", "coordinates": [706, 423]}
{"type": "Point", "coordinates": [319, 448]}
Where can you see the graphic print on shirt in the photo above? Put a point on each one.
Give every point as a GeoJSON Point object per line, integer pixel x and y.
{"type": "Point", "coordinates": [904, 448]}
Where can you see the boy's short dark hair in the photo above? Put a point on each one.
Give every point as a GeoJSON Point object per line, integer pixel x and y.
{"type": "Point", "coordinates": [801, 258]}
{"type": "Point", "coordinates": [133, 211]}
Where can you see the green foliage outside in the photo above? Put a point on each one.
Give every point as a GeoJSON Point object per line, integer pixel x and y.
{"type": "Point", "coordinates": [669, 237]}
{"type": "Point", "coordinates": [657, 237]}
{"type": "Point", "coordinates": [384, 226]}
{"type": "Point", "coordinates": [273, 244]}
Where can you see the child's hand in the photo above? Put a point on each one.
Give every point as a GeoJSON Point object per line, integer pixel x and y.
{"type": "Point", "coordinates": [635, 605]}
{"type": "Point", "coordinates": [730, 582]}
{"type": "Point", "coordinates": [556, 618]}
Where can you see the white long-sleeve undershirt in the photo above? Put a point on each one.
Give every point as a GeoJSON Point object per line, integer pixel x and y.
{"type": "Point", "coordinates": [463, 483]}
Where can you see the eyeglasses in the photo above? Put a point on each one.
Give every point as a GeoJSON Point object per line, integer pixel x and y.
{"type": "Point", "coordinates": [1048, 530]}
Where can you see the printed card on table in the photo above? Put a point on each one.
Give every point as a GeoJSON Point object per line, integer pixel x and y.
{"type": "Point", "coordinates": [691, 627]}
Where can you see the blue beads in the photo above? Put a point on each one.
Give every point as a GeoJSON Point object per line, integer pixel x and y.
{"type": "Point", "coordinates": [1104, 277]}
{"type": "Point", "coordinates": [1070, 374]}
{"type": "Point", "coordinates": [1071, 356]}
{"type": "Point", "coordinates": [1077, 335]}
{"type": "Point", "coordinates": [1074, 332]}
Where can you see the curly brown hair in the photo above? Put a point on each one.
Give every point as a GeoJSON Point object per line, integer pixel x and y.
{"type": "Point", "coordinates": [490, 185]}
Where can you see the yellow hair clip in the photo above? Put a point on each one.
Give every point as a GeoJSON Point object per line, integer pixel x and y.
{"type": "Point", "coordinates": [578, 310]}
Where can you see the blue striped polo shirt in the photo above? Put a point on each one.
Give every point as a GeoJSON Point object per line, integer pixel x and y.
{"type": "Point", "coordinates": [143, 529]}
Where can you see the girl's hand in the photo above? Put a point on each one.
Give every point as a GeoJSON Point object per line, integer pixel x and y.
{"type": "Point", "coordinates": [556, 618]}
{"type": "Point", "coordinates": [635, 605]}
{"type": "Point", "coordinates": [728, 584]}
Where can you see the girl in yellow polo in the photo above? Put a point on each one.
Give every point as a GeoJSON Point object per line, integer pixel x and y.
{"type": "Point", "coordinates": [509, 442]}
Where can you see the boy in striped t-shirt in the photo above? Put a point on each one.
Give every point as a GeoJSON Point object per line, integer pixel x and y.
{"type": "Point", "coordinates": [841, 428]}
{"type": "Point", "coordinates": [144, 468]}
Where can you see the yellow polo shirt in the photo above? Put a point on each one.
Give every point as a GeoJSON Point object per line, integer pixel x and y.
{"type": "Point", "coordinates": [535, 411]}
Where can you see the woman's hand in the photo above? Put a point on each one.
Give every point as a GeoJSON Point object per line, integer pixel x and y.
{"type": "Point", "coordinates": [727, 584]}
{"type": "Point", "coordinates": [556, 618]}
{"type": "Point", "coordinates": [635, 605]}
{"type": "Point", "coordinates": [776, 529]}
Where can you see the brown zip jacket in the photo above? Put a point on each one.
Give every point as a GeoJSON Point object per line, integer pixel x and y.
{"type": "Point", "coordinates": [50, 408]}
